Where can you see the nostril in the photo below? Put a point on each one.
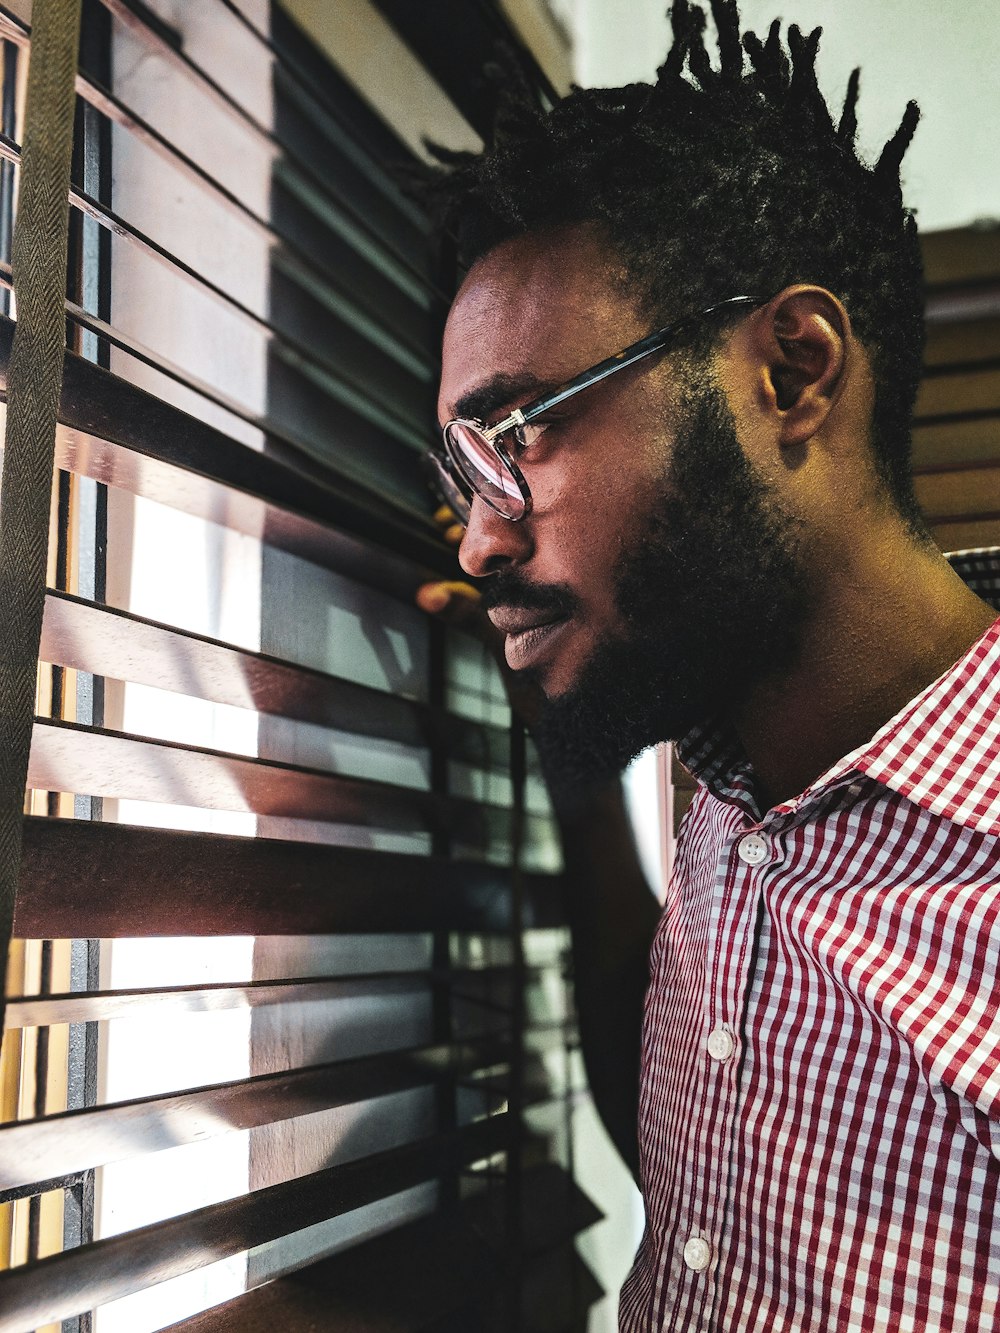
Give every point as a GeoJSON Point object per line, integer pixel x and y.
{"type": "Point", "coordinates": [492, 542]}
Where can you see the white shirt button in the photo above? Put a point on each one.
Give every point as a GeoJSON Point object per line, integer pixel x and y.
{"type": "Point", "coordinates": [752, 849]}
{"type": "Point", "coordinates": [697, 1254]}
{"type": "Point", "coordinates": [720, 1044]}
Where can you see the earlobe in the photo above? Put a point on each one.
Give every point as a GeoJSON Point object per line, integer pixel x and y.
{"type": "Point", "coordinates": [804, 333]}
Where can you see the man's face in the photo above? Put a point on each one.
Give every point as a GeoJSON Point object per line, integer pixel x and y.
{"type": "Point", "coordinates": [655, 578]}
{"type": "Point", "coordinates": [531, 314]}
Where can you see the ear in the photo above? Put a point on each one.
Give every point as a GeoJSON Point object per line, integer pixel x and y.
{"type": "Point", "coordinates": [800, 344]}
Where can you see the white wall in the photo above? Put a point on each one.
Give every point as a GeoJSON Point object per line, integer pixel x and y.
{"type": "Point", "coordinates": [944, 53]}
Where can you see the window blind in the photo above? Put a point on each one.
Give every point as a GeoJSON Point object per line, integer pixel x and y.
{"type": "Point", "coordinates": [253, 316]}
{"type": "Point", "coordinates": [955, 441]}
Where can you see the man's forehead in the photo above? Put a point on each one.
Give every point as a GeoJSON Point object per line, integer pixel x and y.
{"type": "Point", "coordinates": [529, 315]}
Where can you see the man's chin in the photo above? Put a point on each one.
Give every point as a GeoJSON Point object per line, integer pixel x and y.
{"type": "Point", "coordinates": [584, 733]}
{"type": "Point", "coordinates": [552, 691]}
{"type": "Point", "coordinates": [559, 672]}
{"type": "Point", "coordinates": [577, 753]}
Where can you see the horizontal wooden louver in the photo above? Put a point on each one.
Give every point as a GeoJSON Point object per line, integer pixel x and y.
{"type": "Point", "coordinates": [60, 1286]}
{"type": "Point", "coordinates": [956, 438]}
{"type": "Point", "coordinates": [449, 1270]}
{"type": "Point", "coordinates": [386, 912]}
{"type": "Point", "coordinates": [222, 885]}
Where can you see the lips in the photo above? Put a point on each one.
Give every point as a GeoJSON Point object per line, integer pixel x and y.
{"type": "Point", "coordinates": [530, 634]}
{"type": "Point", "coordinates": [514, 620]}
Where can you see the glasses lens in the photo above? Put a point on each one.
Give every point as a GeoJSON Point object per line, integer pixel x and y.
{"type": "Point", "coordinates": [484, 469]}
{"type": "Point", "coordinates": [447, 486]}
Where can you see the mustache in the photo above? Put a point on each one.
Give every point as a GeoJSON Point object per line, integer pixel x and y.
{"type": "Point", "coordinates": [508, 588]}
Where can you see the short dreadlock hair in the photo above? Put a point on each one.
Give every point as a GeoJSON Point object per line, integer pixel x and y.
{"type": "Point", "coordinates": [713, 181]}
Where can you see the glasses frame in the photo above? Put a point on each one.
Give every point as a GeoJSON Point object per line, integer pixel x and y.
{"type": "Point", "coordinates": [453, 481]}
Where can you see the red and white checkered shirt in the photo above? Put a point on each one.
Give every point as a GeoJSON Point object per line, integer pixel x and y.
{"type": "Point", "coordinates": [820, 1107]}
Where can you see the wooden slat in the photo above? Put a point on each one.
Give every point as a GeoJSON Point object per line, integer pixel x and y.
{"type": "Point", "coordinates": [226, 498]}
{"type": "Point", "coordinates": [968, 535]}
{"type": "Point", "coordinates": [962, 303]}
{"type": "Point", "coordinates": [74, 1141]}
{"type": "Point", "coordinates": [951, 494]}
{"type": "Point", "coordinates": [92, 761]}
{"type": "Point", "coordinates": [962, 344]}
{"type": "Point", "coordinates": [109, 642]}
{"type": "Point", "coordinates": [117, 644]}
{"type": "Point", "coordinates": [81, 879]}
{"type": "Point", "coordinates": [976, 441]}
{"type": "Point", "coordinates": [323, 1005]}
{"type": "Point", "coordinates": [538, 1090]}
{"type": "Point", "coordinates": [467, 984]}
{"type": "Point", "coordinates": [961, 254]}
{"type": "Point", "coordinates": [439, 1265]}
{"type": "Point", "coordinates": [397, 1283]}
{"type": "Point", "coordinates": [553, 1208]}
{"type": "Point", "coordinates": [121, 436]}
{"type": "Point", "coordinates": [957, 434]}
{"type": "Point", "coordinates": [285, 1306]}
{"type": "Point", "coordinates": [970, 391]}
{"type": "Point", "coordinates": [97, 762]}
{"type": "Point", "coordinates": [101, 1006]}
{"type": "Point", "coordinates": [82, 1279]}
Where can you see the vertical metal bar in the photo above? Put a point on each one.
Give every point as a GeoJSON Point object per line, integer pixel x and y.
{"type": "Point", "coordinates": [446, 1116]}
{"type": "Point", "coordinates": [92, 169]}
{"type": "Point", "coordinates": [78, 1213]}
{"type": "Point", "coordinates": [34, 1226]}
{"type": "Point", "coordinates": [569, 1017]}
{"type": "Point", "coordinates": [515, 1098]}
{"type": "Point", "coordinates": [8, 124]}
{"type": "Point", "coordinates": [90, 285]}
{"type": "Point", "coordinates": [442, 1019]}
{"type": "Point", "coordinates": [41, 1072]}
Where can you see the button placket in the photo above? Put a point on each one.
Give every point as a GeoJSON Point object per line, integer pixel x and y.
{"type": "Point", "coordinates": [697, 1253]}
{"type": "Point", "coordinates": [739, 887]}
{"type": "Point", "coordinates": [729, 924]}
{"type": "Point", "coordinates": [721, 1044]}
{"type": "Point", "coordinates": [752, 849]}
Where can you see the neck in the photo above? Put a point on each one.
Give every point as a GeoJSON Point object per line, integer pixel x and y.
{"type": "Point", "coordinates": [890, 618]}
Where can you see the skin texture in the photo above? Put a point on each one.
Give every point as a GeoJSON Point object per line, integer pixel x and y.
{"type": "Point", "coordinates": [712, 595]}
{"type": "Point", "coordinates": [886, 615]}
{"type": "Point", "coordinates": [499, 352]}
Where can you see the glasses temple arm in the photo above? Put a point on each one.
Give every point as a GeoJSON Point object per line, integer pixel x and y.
{"type": "Point", "coordinates": [653, 342]}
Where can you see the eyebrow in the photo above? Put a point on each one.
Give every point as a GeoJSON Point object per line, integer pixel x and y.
{"type": "Point", "coordinates": [500, 391]}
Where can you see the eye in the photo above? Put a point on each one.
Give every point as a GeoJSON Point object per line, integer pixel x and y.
{"type": "Point", "coordinates": [527, 436]}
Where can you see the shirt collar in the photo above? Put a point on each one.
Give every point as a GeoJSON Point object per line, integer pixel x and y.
{"type": "Point", "coordinates": [941, 751]}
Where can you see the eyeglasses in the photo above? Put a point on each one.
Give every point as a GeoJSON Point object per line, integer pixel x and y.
{"type": "Point", "coordinates": [477, 461]}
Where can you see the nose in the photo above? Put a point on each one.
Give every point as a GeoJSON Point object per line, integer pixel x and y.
{"type": "Point", "coordinates": [492, 542]}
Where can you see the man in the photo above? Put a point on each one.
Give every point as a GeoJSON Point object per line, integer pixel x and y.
{"type": "Point", "coordinates": [712, 537]}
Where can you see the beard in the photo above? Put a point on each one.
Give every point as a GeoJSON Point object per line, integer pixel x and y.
{"type": "Point", "coordinates": [712, 598]}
